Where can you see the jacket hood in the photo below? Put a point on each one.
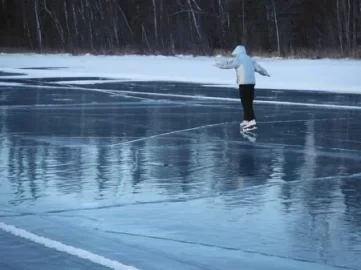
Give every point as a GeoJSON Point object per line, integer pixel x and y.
{"type": "Point", "coordinates": [239, 50]}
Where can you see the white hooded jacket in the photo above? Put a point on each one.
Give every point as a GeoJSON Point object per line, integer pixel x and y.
{"type": "Point", "coordinates": [244, 65]}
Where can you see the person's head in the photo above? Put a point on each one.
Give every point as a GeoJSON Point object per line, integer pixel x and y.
{"type": "Point", "coordinates": [239, 50]}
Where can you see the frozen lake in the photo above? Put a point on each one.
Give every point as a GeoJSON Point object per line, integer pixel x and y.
{"type": "Point", "coordinates": [156, 175]}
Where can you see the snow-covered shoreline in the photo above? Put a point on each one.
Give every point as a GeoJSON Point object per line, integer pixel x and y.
{"type": "Point", "coordinates": [343, 76]}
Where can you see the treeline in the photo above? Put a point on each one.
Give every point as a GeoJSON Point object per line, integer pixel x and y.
{"type": "Point", "coordinates": [279, 27]}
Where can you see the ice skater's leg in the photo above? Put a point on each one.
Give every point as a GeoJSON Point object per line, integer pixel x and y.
{"type": "Point", "coordinates": [250, 117]}
{"type": "Point", "coordinates": [247, 96]}
{"type": "Point", "coordinates": [251, 99]}
{"type": "Point", "coordinates": [243, 98]}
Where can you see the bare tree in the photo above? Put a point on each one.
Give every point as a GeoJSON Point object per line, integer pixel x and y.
{"type": "Point", "coordinates": [155, 22]}
{"type": "Point", "coordinates": [339, 22]}
{"type": "Point", "coordinates": [277, 28]}
{"type": "Point", "coordinates": [195, 26]}
{"type": "Point", "coordinates": [38, 25]}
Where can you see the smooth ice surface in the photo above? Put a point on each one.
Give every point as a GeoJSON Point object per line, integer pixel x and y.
{"type": "Point", "coordinates": [290, 74]}
{"type": "Point", "coordinates": [168, 182]}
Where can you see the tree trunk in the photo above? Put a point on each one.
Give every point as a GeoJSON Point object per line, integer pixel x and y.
{"type": "Point", "coordinates": [277, 28]}
{"type": "Point", "coordinates": [354, 29]}
{"type": "Point", "coordinates": [196, 24]}
{"type": "Point", "coordinates": [155, 23]}
{"type": "Point", "coordinates": [38, 26]}
{"type": "Point", "coordinates": [115, 29]}
{"type": "Point", "coordinates": [243, 24]}
{"type": "Point", "coordinates": [144, 35]}
{"type": "Point", "coordinates": [126, 21]}
{"type": "Point", "coordinates": [67, 20]}
{"type": "Point", "coordinates": [56, 22]}
{"type": "Point", "coordinates": [347, 12]}
{"type": "Point", "coordinates": [339, 26]}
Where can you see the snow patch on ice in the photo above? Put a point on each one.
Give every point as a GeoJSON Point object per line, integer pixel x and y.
{"type": "Point", "coordinates": [10, 84]}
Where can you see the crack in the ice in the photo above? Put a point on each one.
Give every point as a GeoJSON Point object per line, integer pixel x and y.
{"type": "Point", "coordinates": [169, 133]}
{"type": "Point", "coordinates": [287, 148]}
{"type": "Point", "coordinates": [221, 247]}
{"type": "Point", "coordinates": [107, 206]}
{"type": "Point", "coordinates": [179, 200]}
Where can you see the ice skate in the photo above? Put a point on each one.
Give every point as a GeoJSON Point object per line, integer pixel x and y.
{"type": "Point", "coordinates": [243, 124]}
{"type": "Point", "coordinates": [251, 125]}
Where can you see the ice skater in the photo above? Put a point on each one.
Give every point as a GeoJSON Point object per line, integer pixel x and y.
{"type": "Point", "coordinates": [245, 67]}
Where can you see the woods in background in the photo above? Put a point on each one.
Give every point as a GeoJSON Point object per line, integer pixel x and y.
{"type": "Point", "coordinates": [277, 27]}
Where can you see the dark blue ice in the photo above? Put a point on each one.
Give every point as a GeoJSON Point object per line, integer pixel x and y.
{"type": "Point", "coordinates": [167, 181]}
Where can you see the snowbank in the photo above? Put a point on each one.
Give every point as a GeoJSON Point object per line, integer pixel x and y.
{"type": "Point", "coordinates": [322, 75]}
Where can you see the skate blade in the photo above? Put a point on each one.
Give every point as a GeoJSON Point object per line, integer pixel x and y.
{"type": "Point", "coordinates": [249, 136]}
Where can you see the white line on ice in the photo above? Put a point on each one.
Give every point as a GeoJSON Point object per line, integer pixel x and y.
{"type": "Point", "coordinates": [106, 91]}
{"type": "Point", "coordinates": [168, 133]}
{"type": "Point", "coordinates": [329, 106]}
{"type": "Point", "coordinates": [73, 251]}
{"type": "Point", "coordinates": [89, 81]}
{"type": "Point", "coordinates": [228, 99]}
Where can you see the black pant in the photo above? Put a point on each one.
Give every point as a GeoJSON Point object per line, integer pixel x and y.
{"type": "Point", "coordinates": [246, 94]}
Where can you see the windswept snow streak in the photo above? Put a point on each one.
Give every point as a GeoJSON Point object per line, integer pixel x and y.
{"type": "Point", "coordinates": [83, 254]}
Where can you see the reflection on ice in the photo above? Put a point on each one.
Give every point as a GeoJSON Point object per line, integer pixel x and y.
{"type": "Point", "coordinates": [185, 173]}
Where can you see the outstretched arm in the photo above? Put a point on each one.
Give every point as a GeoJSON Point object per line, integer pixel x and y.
{"type": "Point", "coordinates": [227, 64]}
{"type": "Point", "coordinates": [260, 70]}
